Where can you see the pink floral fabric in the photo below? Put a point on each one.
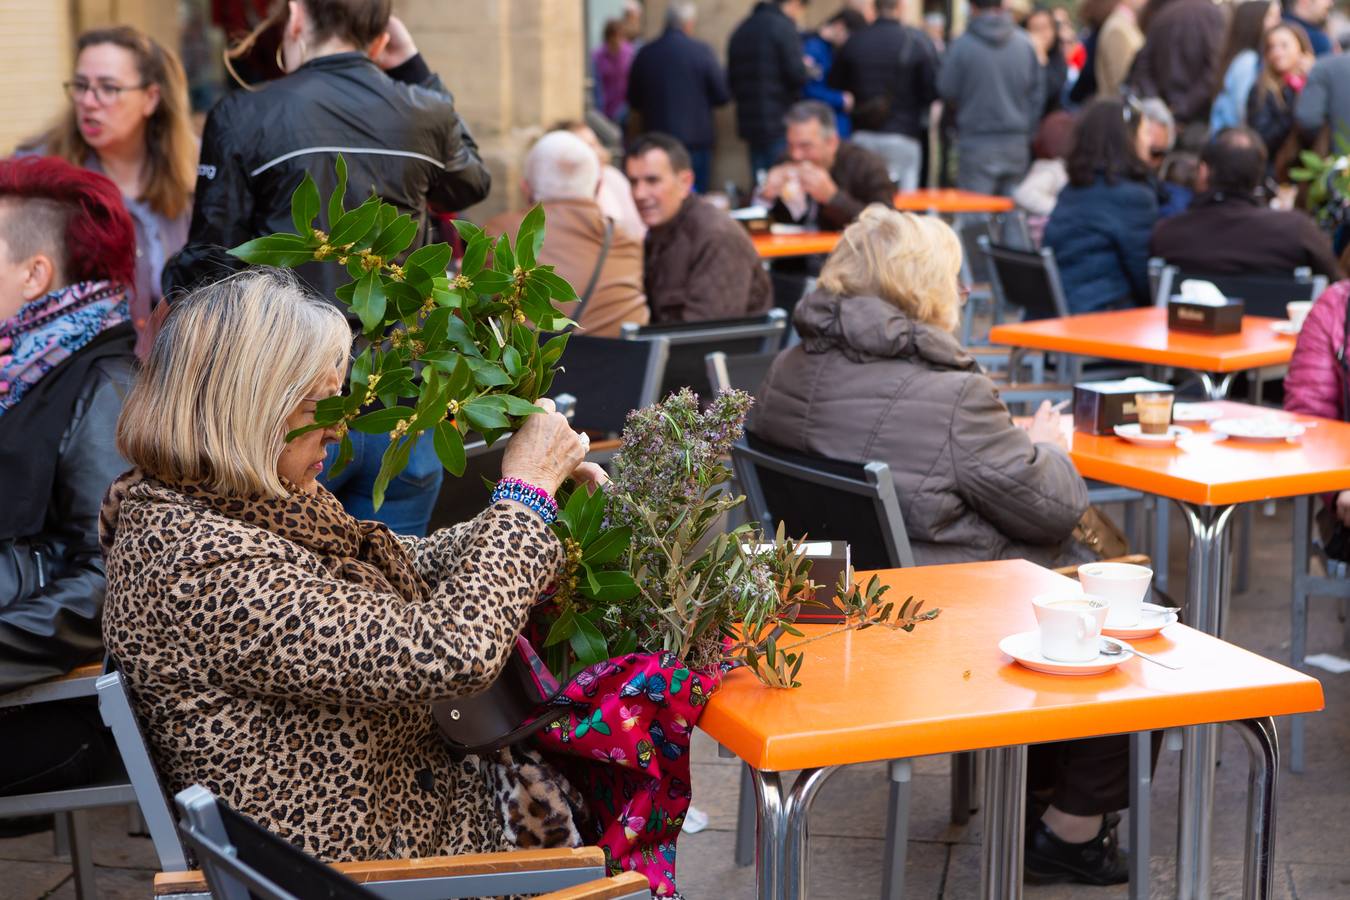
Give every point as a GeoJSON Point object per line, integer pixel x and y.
{"type": "Point", "coordinates": [620, 733]}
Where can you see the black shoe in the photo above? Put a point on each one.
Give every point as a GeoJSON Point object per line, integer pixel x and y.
{"type": "Point", "coordinates": [24, 825]}
{"type": "Point", "coordinates": [1098, 861]}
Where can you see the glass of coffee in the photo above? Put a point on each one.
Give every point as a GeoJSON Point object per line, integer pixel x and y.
{"type": "Point", "coordinates": [1155, 412]}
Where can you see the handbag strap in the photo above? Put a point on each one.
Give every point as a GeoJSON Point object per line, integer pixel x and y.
{"type": "Point", "coordinates": [599, 264]}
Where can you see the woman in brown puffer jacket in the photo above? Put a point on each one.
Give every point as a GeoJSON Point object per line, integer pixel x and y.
{"type": "Point", "coordinates": [879, 375]}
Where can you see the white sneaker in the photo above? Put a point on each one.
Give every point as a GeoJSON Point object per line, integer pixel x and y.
{"type": "Point", "coordinates": [695, 820]}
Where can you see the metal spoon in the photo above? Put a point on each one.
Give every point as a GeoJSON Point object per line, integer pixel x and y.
{"type": "Point", "coordinates": [1119, 648]}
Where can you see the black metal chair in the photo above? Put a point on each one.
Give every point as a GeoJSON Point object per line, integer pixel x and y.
{"type": "Point", "coordinates": [690, 342]}
{"type": "Point", "coordinates": [1262, 295]}
{"type": "Point", "coordinates": [611, 377]}
{"type": "Point", "coordinates": [1025, 279]}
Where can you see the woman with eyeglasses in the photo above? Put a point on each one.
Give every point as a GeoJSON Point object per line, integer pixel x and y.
{"type": "Point", "coordinates": [1101, 224]}
{"type": "Point", "coordinates": [129, 120]}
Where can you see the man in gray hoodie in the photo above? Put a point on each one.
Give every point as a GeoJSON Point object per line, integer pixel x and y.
{"type": "Point", "coordinates": [992, 78]}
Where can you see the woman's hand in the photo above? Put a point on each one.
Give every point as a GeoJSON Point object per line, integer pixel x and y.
{"type": "Point", "coordinates": [399, 48]}
{"type": "Point", "coordinates": [545, 450]}
{"type": "Point", "coordinates": [1045, 426]}
{"type": "Point", "coordinates": [1343, 507]}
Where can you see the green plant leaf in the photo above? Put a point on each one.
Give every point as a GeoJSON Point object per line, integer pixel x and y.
{"type": "Point", "coordinates": [588, 643]}
{"type": "Point", "coordinates": [611, 587]}
{"type": "Point", "coordinates": [403, 297]}
{"type": "Point", "coordinates": [368, 301]}
{"type": "Point", "coordinates": [488, 374]}
{"type": "Point", "coordinates": [562, 629]}
{"type": "Point", "coordinates": [339, 195]}
{"type": "Point", "coordinates": [607, 546]}
{"type": "Point", "coordinates": [485, 415]}
{"type": "Point", "coordinates": [530, 237]}
{"type": "Point", "coordinates": [624, 644]}
{"type": "Point", "coordinates": [558, 288]}
{"type": "Point", "coordinates": [475, 255]}
{"type": "Point", "coordinates": [518, 406]}
{"type": "Point", "coordinates": [433, 259]}
{"type": "Point", "coordinates": [395, 237]}
{"type": "Point", "coordinates": [381, 421]}
{"type": "Point", "coordinates": [511, 361]}
{"type": "Point", "coordinates": [344, 456]}
{"type": "Point", "coordinates": [305, 206]}
{"type": "Point", "coordinates": [592, 515]}
{"type": "Point", "coordinates": [285, 251]}
{"type": "Point", "coordinates": [449, 445]}
{"type": "Point", "coordinates": [503, 260]}
{"type": "Point", "coordinates": [553, 349]}
{"type": "Point", "coordinates": [395, 460]}
{"type": "Point", "coordinates": [570, 512]}
{"type": "Point", "coordinates": [467, 230]}
{"type": "Point", "coordinates": [489, 282]}
{"type": "Point", "coordinates": [355, 224]}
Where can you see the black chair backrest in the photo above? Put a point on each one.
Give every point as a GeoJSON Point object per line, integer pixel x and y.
{"type": "Point", "coordinates": [1025, 278]}
{"type": "Point", "coordinates": [691, 342]}
{"type": "Point", "coordinates": [1261, 295]}
{"type": "Point", "coordinates": [241, 859]}
{"type": "Point", "coordinates": [825, 499]}
{"type": "Point", "coordinates": [610, 377]}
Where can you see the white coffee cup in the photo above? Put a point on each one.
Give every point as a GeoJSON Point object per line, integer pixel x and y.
{"type": "Point", "coordinates": [1122, 585]}
{"type": "Point", "coordinates": [1070, 625]}
{"type": "Point", "coordinates": [1297, 311]}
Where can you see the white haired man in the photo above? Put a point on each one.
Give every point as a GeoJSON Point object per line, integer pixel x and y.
{"type": "Point", "coordinates": [603, 263]}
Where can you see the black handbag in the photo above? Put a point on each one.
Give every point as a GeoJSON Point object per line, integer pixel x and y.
{"type": "Point", "coordinates": [512, 709]}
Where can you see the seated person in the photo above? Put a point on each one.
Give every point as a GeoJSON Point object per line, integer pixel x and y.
{"type": "Point", "coordinates": [827, 181]}
{"type": "Point", "coordinates": [879, 375]}
{"type": "Point", "coordinates": [1157, 148]}
{"type": "Point", "coordinates": [277, 650]}
{"type": "Point", "coordinates": [1100, 226]}
{"type": "Point", "coordinates": [698, 264]}
{"type": "Point", "coordinates": [615, 197]}
{"type": "Point", "coordinates": [600, 261]}
{"type": "Point", "coordinates": [67, 263]}
{"type": "Point", "coordinates": [1038, 192]}
{"type": "Point", "coordinates": [1229, 230]}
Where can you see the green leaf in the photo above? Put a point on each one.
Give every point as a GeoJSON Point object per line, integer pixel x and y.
{"type": "Point", "coordinates": [503, 260]}
{"type": "Point", "coordinates": [588, 643]}
{"type": "Point", "coordinates": [339, 193]}
{"type": "Point", "coordinates": [356, 224]}
{"type": "Point", "coordinates": [530, 237]}
{"type": "Point", "coordinates": [459, 379]}
{"type": "Point", "coordinates": [449, 444]}
{"type": "Point", "coordinates": [592, 515]}
{"type": "Point", "coordinates": [305, 206]}
{"type": "Point", "coordinates": [518, 406]}
{"type": "Point", "coordinates": [467, 230]}
{"type": "Point", "coordinates": [611, 587]}
{"type": "Point", "coordinates": [381, 421]}
{"type": "Point", "coordinates": [485, 415]}
{"type": "Point", "coordinates": [395, 238]}
{"type": "Point", "coordinates": [553, 349]}
{"type": "Point", "coordinates": [562, 630]}
{"type": "Point", "coordinates": [282, 250]}
{"type": "Point", "coordinates": [404, 298]}
{"type": "Point", "coordinates": [344, 456]}
{"type": "Point", "coordinates": [433, 259]}
{"type": "Point", "coordinates": [607, 547]}
{"type": "Point", "coordinates": [557, 286]}
{"type": "Point", "coordinates": [488, 282]}
{"type": "Point", "coordinates": [624, 644]}
{"type": "Point", "coordinates": [570, 514]}
{"type": "Point", "coordinates": [368, 301]}
{"type": "Point", "coordinates": [511, 361]}
{"type": "Point", "coordinates": [395, 460]}
{"type": "Point", "coordinates": [487, 374]}
{"type": "Point", "coordinates": [475, 254]}
{"type": "Point", "coordinates": [434, 327]}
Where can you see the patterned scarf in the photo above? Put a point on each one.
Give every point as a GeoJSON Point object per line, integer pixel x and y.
{"type": "Point", "coordinates": [51, 329]}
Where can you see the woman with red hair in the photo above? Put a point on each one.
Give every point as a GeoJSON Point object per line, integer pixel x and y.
{"type": "Point", "coordinates": [67, 261]}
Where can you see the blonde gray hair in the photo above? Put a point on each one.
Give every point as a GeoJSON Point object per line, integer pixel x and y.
{"type": "Point", "coordinates": [912, 262]}
{"type": "Point", "coordinates": [233, 361]}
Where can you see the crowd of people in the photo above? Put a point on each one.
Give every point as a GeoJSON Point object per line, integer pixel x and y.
{"type": "Point", "coordinates": [259, 611]}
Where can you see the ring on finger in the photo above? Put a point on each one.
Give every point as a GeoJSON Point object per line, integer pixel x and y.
{"type": "Point", "coordinates": [585, 440]}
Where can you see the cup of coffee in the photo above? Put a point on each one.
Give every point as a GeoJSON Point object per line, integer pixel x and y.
{"type": "Point", "coordinates": [1297, 312]}
{"type": "Point", "coordinates": [1070, 625]}
{"type": "Point", "coordinates": [1122, 585]}
{"type": "Point", "coordinates": [1155, 412]}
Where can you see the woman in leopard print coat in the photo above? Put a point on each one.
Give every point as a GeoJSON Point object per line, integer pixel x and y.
{"type": "Point", "coordinates": [278, 651]}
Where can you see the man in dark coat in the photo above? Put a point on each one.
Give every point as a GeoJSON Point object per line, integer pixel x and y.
{"type": "Point", "coordinates": [891, 70]}
{"type": "Point", "coordinates": [698, 263]}
{"type": "Point", "coordinates": [674, 84]}
{"type": "Point", "coordinates": [1179, 63]}
{"type": "Point", "coordinates": [1228, 231]}
{"type": "Point", "coordinates": [766, 73]}
{"type": "Point", "coordinates": [825, 181]}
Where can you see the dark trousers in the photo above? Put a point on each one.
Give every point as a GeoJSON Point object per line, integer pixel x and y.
{"type": "Point", "coordinates": [764, 157]}
{"type": "Point", "coordinates": [701, 161]}
{"type": "Point", "coordinates": [54, 746]}
{"type": "Point", "coordinates": [1087, 777]}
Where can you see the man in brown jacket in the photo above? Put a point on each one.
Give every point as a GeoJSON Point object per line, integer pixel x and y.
{"type": "Point", "coordinates": [825, 181]}
{"type": "Point", "coordinates": [699, 264]}
{"type": "Point", "coordinates": [601, 262]}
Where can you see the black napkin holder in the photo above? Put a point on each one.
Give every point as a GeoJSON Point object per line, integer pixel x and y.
{"type": "Point", "coordinates": [1201, 318]}
{"type": "Point", "coordinates": [1099, 406]}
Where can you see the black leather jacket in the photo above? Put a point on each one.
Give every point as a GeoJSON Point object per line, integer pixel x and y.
{"type": "Point", "coordinates": [51, 584]}
{"type": "Point", "coordinates": [398, 132]}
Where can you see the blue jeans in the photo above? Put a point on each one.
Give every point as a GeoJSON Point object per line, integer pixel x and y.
{"type": "Point", "coordinates": [701, 161]}
{"type": "Point", "coordinates": [764, 157]}
{"type": "Point", "coordinates": [410, 497]}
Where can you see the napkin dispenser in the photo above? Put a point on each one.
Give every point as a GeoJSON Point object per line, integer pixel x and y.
{"type": "Point", "coordinates": [829, 559]}
{"type": "Point", "coordinates": [1099, 406]}
{"type": "Point", "coordinates": [1201, 308]}
{"type": "Point", "coordinates": [754, 219]}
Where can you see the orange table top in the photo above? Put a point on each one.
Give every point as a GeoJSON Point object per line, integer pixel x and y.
{"type": "Point", "coordinates": [1141, 336]}
{"type": "Point", "coordinates": [945, 687]}
{"type": "Point", "coordinates": [1208, 470]}
{"type": "Point", "coordinates": [807, 243]}
{"type": "Point", "coordinates": [950, 200]}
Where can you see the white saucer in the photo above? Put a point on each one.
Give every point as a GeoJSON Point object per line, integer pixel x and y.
{"type": "Point", "coordinates": [1195, 412]}
{"type": "Point", "coordinates": [1132, 434]}
{"type": "Point", "coordinates": [1154, 619]}
{"type": "Point", "coordinates": [1258, 428]}
{"type": "Point", "coordinates": [1025, 648]}
{"type": "Point", "coordinates": [1285, 328]}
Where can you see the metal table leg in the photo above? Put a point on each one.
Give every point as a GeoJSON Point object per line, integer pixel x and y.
{"type": "Point", "coordinates": [1005, 798]}
{"type": "Point", "coordinates": [1204, 601]}
{"type": "Point", "coordinates": [1216, 390]}
{"type": "Point", "coordinates": [1263, 753]}
{"type": "Point", "coordinates": [1298, 614]}
{"type": "Point", "coordinates": [897, 830]}
{"type": "Point", "coordinates": [745, 820]}
{"type": "Point", "coordinates": [1141, 784]}
{"type": "Point", "coordinates": [781, 832]}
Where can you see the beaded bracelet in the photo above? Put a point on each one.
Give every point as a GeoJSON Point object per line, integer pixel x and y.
{"type": "Point", "coordinates": [535, 498]}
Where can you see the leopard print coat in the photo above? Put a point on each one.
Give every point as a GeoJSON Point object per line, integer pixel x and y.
{"type": "Point", "coordinates": [283, 655]}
